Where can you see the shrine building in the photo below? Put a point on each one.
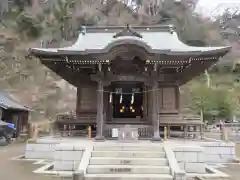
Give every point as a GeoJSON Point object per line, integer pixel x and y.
{"type": "Point", "coordinates": [130, 76]}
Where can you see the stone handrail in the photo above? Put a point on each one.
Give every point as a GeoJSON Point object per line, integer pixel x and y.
{"type": "Point", "coordinates": [85, 160]}
{"type": "Point", "coordinates": [176, 172]}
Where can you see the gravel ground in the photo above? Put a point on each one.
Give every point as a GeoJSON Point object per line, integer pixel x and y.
{"type": "Point", "coordinates": [23, 170]}
{"type": "Point", "coordinates": [233, 171]}
{"type": "Point", "coordinates": [18, 170]}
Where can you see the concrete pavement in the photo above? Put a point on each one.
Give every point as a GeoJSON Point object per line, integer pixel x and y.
{"type": "Point", "coordinates": [18, 170]}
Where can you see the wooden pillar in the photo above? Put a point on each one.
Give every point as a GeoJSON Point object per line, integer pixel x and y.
{"type": "Point", "coordinates": [109, 108]}
{"type": "Point", "coordinates": [201, 130]}
{"type": "Point", "coordinates": [16, 121]}
{"type": "Point", "coordinates": [30, 130]}
{"type": "Point", "coordinates": [52, 128]}
{"type": "Point", "coordinates": [185, 130]}
{"type": "Point", "coordinates": [155, 118]}
{"type": "Point", "coordinates": [1, 113]}
{"type": "Point", "coordinates": [145, 101]}
{"type": "Point", "coordinates": [100, 118]}
{"type": "Point", "coordinates": [105, 104]}
{"type": "Point", "coordinates": [78, 103]}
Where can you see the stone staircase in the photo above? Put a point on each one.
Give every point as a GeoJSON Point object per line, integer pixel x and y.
{"type": "Point", "coordinates": [128, 162]}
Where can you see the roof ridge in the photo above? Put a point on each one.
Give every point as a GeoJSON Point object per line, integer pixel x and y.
{"type": "Point", "coordinates": [158, 28]}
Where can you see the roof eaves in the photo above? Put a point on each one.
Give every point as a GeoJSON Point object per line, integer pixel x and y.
{"type": "Point", "coordinates": [74, 51]}
{"type": "Point", "coordinates": [212, 51]}
{"type": "Point", "coordinates": [7, 102]}
{"type": "Point", "coordinates": [3, 106]}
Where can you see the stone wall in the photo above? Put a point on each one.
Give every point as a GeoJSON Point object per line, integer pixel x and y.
{"type": "Point", "coordinates": [219, 152]}
{"type": "Point", "coordinates": [67, 157]}
{"type": "Point", "coordinates": [190, 158]}
{"type": "Point", "coordinates": [193, 158]}
{"type": "Point", "coordinates": [35, 150]}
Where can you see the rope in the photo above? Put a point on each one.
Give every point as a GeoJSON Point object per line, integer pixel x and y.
{"type": "Point", "coordinates": [141, 92]}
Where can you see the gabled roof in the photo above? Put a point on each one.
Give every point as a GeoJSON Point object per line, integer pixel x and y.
{"type": "Point", "coordinates": [7, 102]}
{"type": "Point", "coordinates": [155, 39]}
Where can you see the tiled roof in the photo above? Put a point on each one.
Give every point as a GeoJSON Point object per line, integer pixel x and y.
{"type": "Point", "coordinates": [7, 102]}
{"type": "Point", "coordinates": [155, 39]}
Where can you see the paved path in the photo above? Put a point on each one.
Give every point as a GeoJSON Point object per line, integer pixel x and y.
{"type": "Point", "coordinates": [18, 170]}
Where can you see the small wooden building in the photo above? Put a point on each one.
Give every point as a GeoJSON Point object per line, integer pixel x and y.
{"type": "Point", "coordinates": [130, 76]}
{"type": "Point", "coordinates": [13, 112]}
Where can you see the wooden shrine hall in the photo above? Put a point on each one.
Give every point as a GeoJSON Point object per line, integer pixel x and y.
{"type": "Point", "coordinates": [128, 75]}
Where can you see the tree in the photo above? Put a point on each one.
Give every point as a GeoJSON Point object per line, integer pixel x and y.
{"type": "Point", "coordinates": [224, 102]}
{"type": "Point", "coordinates": [62, 12]}
{"type": "Point", "coordinates": [4, 7]}
{"type": "Point", "coordinates": [202, 100]}
{"type": "Point", "coordinates": [21, 4]}
{"type": "Point", "coordinates": [212, 102]}
{"type": "Point", "coordinates": [28, 25]}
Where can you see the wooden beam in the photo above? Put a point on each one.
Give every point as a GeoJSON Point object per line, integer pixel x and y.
{"type": "Point", "coordinates": [133, 77]}
{"type": "Point", "coordinates": [100, 116]}
{"type": "Point", "coordinates": [194, 70]}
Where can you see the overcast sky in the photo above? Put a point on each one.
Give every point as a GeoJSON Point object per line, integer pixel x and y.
{"type": "Point", "coordinates": [212, 3]}
{"type": "Point", "coordinates": [208, 6]}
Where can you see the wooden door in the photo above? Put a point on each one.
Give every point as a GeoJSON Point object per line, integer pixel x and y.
{"type": "Point", "coordinates": [87, 99]}
{"type": "Point", "coordinates": [167, 98]}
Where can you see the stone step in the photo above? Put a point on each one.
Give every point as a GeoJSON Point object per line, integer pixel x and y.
{"type": "Point", "coordinates": [124, 169]}
{"type": "Point", "coordinates": [158, 148]}
{"type": "Point", "coordinates": [128, 177]}
{"type": "Point", "coordinates": [138, 154]}
{"type": "Point", "coordinates": [128, 161]}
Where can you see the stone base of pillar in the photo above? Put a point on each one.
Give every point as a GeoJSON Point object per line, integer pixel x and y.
{"type": "Point", "coordinates": [156, 137]}
{"type": "Point", "coordinates": [99, 138]}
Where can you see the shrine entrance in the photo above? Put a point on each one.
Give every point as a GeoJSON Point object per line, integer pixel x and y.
{"type": "Point", "coordinates": [127, 99]}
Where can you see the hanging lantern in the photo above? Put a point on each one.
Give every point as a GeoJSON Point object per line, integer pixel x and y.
{"type": "Point", "coordinates": [110, 98]}
{"type": "Point", "coordinates": [122, 109]}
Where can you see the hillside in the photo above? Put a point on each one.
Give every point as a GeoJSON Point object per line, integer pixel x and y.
{"type": "Point", "coordinates": [56, 23]}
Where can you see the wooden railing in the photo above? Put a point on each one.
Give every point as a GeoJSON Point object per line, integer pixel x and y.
{"type": "Point", "coordinates": [191, 117]}
{"type": "Point", "coordinates": [178, 119]}
{"type": "Point", "coordinates": [84, 117]}
{"type": "Point", "coordinates": [66, 117]}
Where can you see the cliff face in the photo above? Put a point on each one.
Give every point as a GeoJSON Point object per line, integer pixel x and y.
{"type": "Point", "coordinates": [38, 87]}
{"type": "Point", "coordinates": [31, 83]}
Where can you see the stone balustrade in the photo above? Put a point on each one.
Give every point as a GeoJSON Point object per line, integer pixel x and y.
{"type": "Point", "coordinates": [177, 173]}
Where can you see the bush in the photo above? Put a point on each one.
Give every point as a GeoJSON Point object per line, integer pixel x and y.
{"type": "Point", "coordinates": [28, 25]}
